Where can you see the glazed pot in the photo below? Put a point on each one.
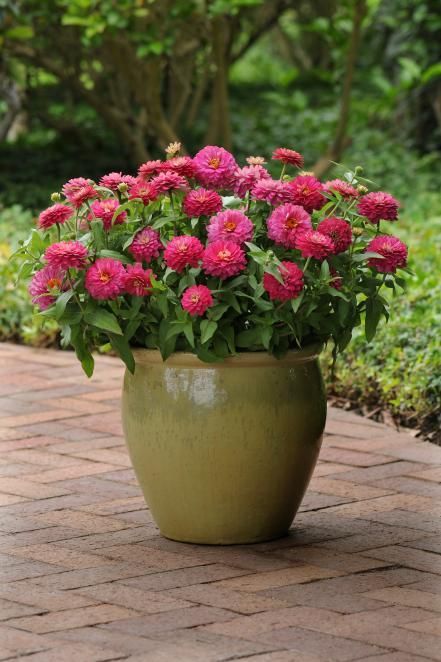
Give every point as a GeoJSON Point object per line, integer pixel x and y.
{"type": "Point", "coordinates": [224, 452]}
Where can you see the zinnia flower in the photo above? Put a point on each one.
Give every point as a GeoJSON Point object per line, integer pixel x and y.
{"type": "Point", "coordinates": [341, 187]}
{"type": "Point", "coordinates": [201, 202]}
{"type": "Point", "coordinates": [105, 209]}
{"type": "Point", "coordinates": [169, 181]}
{"type": "Point", "coordinates": [245, 178]}
{"type": "Point", "coordinates": [286, 222]}
{"type": "Point", "coordinates": [147, 191]}
{"type": "Point", "coordinates": [183, 165]}
{"type": "Point", "coordinates": [183, 251]}
{"type": "Point", "coordinates": [306, 190]}
{"type": "Point", "coordinates": [57, 213]}
{"type": "Point", "coordinates": [196, 299]}
{"type": "Point", "coordinates": [105, 279]}
{"type": "Point", "coordinates": [146, 245]}
{"type": "Point", "coordinates": [114, 179]}
{"type": "Point", "coordinates": [45, 285]}
{"type": "Point", "coordinates": [393, 250]}
{"type": "Point", "coordinates": [314, 244]}
{"type": "Point", "coordinates": [66, 255]}
{"type": "Point", "coordinates": [215, 167]}
{"type": "Point", "coordinates": [223, 259]}
{"type": "Point", "coordinates": [137, 281]}
{"type": "Point", "coordinates": [339, 231]}
{"type": "Point", "coordinates": [149, 169]}
{"type": "Point", "coordinates": [272, 191]}
{"type": "Point", "coordinates": [78, 190]}
{"type": "Point", "coordinates": [378, 206]}
{"type": "Point", "coordinates": [231, 224]}
{"type": "Point", "coordinates": [292, 282]}
{"type": "Point", "coordinates": [173, 148]}
{"type": "Point", "coordinates": [255, 160]}
{"type": "Point", "coordinates": [288, 156]}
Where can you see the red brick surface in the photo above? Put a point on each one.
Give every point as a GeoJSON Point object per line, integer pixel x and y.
{"type": "Point", "coordinates": [86, 577]}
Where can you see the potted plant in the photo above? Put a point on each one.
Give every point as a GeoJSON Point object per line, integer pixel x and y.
{"type": "Point", "coordinates": [218, 286]}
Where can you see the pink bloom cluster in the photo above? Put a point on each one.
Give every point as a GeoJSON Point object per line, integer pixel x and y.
{"type": "Point", "coordinates": [182, 227]}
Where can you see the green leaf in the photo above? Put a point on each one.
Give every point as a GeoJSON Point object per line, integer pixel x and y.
{"type": "Point", "coordinates": [103, 319]}
{"type": "Point", "coordinates": [208, 329]}
{"type": "Point", "coordinates": [61, 303]}
{"type": "Point", "coordinates": [105, 252]}
{"type": "Point", "coordinates": [98, 233]}
{"type": "Point", "coordinates": [296, 303]}
{"type": "Point", "coordinates": [166, 345]}
{"type": "Point", "coordinates": [160, 222]}
{"type": "Point", "coordinates": [188, 332]}
{"type": "Point", "coordinates": [374, 310]}
{"type": "Point", "coordinates": [361, 257]}
{"type": "Point", "coordinates": [216, 312]}
{"type": "Point", "coordinates": [122, 348]}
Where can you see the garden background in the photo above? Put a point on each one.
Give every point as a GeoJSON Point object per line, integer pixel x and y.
{"type": "Point", "coordinates": [92, 86]}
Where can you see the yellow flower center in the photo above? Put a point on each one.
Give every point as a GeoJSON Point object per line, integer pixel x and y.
{"type": "Point", "coordinates": [195, 298]}
{"type": "Point", "coordinates": [214, 163]}
{"type": "Point", "coordinates": [230, 226]}
{"type": "Point", "coordinates": [53, 283]}
{"type": "Point", "coordinates": [224, 255]}
{"type": "Point", "coordinates": [104, 277]}
{"type": "Point", "coordinates": [291, 223]}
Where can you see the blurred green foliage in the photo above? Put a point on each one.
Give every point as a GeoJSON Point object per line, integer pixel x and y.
{"type": "Point", "coordinates": [279, 76]}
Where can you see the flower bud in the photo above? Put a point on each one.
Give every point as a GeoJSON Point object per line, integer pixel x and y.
{"type": "Point", "coordinates": [55, 197]}
{"type": "Point", "coordinates": [173, 149]}
{"type": "Point", "coordinates": [358, 170]}
{"type": "Point", "coordinates": [306, 173]}
{"type": "Point", "coordinates": [357, 232]}
{"type": "Point", "coordinates": [362, 189]}
{"type": "Point", "coordinates": [123, 188]}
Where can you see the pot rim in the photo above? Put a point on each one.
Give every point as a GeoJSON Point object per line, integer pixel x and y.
{"type": "Point", "coordinates": [259, 359]}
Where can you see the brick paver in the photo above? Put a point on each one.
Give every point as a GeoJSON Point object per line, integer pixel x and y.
{"type": "Point", "coordinates": [85, 575]}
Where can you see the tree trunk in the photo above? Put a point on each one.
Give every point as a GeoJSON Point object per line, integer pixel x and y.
{"type": "Point", "coordinates": [219, 129]}
{"type": "Point", "coordinates": [338, 145]}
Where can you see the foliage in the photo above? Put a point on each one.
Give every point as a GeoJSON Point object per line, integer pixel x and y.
{"type": "Point", "coordinates": [333, 295]}
{"type": "Point", "coordinates": [16, 311]}
{"type": "Point", "coordinates": [402, 369]}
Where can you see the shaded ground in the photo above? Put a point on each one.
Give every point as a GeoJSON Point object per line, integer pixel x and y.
{"type": "Point", "coordinates": [86, 577]}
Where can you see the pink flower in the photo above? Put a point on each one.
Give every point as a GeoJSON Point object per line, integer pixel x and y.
{"type": "Point", "coordinates": [78, 190]}
{"type": "Point", "coordinates": [45, 285]}
{"type": "Point", "coordinates": [245, 178]}
{"type": "Point", "coordinates": [272, 191]}
{"type": "Point", "coordinates": [201, 202]}
{"type": "Point", "coordinates": [341, 187]}
{"type": "Point", "coordinates": [196, 299]}
{"type": "Point", "coordinates": [215, 167]}
{"type": "Point", "coordinates": [223, 259]}
{"type": "Point", "coordinates": [393, 250]}
{"type": "Point", "coordinates": [146, 245]}
{"type": "Point", "coordinates": [378, 206]}
{"type": "Point", "coordinates": [232, 225]}
{"type": "Point", "coordinates": [183, 165]}
{"type": "Point", "coordinates": [114, 179]}
{"type": "Point", "coordinates": [137, 281]}
{"type": "Point", "coordinates": [105, 279]}
{"type": "Point", "coordinates": [147, 191]}
{"type": "Point", "coordinates": [286, 222]}
{"type": "Point", "coordinates": [339, 231]}
{"type": "Point", "coordinates": [183, 251]}
{"type": "Point", "coordinates": [105, 209]}
{"type": "Point", "coordinates": [314, 244]}
{"type": "Point", "coordinates": [66, 255]}
{"type": "Point", "coordinates": [149, 169]}
{"type": "Point", "coordinates": [292, 283]}
{"type": "Point", "coordinates": [169, 181]}
{"type": "Point", "coordinates": [306, 190]}
{"type": "Point", "coordinates": [57, 213]}
{"type": "Point", "coordinates": [288, 156]}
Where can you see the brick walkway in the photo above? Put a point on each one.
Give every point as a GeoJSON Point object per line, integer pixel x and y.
{"type": "Point", "coordinates": [86, 577]}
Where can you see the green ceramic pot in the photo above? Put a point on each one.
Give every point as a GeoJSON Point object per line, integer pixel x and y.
{"type": "Point", "coordinates": [224, 452]}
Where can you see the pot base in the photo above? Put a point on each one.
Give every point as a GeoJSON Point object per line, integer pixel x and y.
{"type": "Point", "coordinates": [224, 453]}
